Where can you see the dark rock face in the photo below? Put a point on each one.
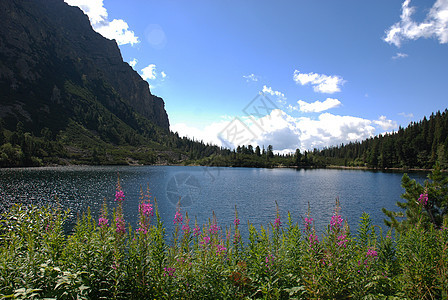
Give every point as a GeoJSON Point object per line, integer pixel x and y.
{"type": "Point", "coordinates": [44, 44]}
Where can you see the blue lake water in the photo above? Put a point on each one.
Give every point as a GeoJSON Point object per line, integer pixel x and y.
{"type": "Point", "coordinates": [204, 190]}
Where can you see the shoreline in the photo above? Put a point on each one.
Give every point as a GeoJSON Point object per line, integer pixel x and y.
{"type": "Point", "coordinates": [382, 170]}
{"type": "Point", "coordinates": [335, 167]}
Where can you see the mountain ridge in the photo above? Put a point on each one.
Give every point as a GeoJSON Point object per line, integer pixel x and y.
{"type": "Point", "coordinates": [45, 44]}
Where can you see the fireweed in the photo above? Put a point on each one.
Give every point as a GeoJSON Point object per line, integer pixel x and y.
{"type": "Point", "coordinates": [101, 259]}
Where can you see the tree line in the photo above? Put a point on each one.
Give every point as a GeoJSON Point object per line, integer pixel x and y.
{"type": "Point", "coordinates": [420, 145]}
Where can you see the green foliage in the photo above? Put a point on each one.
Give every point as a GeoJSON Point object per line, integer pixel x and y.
{"type": "Point", "coordinates": [246, 156]}
{"type": "Point", "coordinates": [101, 260]}
{"type": "Point", "coordinates": [418, 211]}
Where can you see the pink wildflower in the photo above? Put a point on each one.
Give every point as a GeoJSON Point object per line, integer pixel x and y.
{"type": "Point", "coordinates": [205, 240]}
{"type": "Point", "coordinates": [308, 222]}
{"type": "Point", "coordinates": [119, 196]}
{"type": "Point", "coordinates": [214, 229]}
{"type": "Point", "coordinates": [236, 222]}
{"type": "Point", "coordinates": [177, 217]}
{"type": "Point", "coordinates": [142, 229]}
{"type": "Point", "coordinates": [269, 261]}
{"type": "Point", "coordinates": [371, 253]}
{"type": "Point", "coordinates": [196, 231]}
{"type": "Point", "coordinates": [313, 239]}
{"type": "Point", "coordinates": [169, 271]}
{"type": "Point", "coordinates": [146, 209]}
{"type": "Point", "coordinates": [220, 249]}
{"type": "Point", "coordinates": [342, 240]}
{"type": "Point", "coordinates": [119, 222]}
{"type": "Point", "coordinates": [103, 222]}
{"type": "Point", "coordinates": [423, 200]}
{"type": "Point", "coordinates": [277, 222]}
{"type": "Point", "coordinates": [186, 229]}
{"type": "Point", "coordinates": [336, 221]}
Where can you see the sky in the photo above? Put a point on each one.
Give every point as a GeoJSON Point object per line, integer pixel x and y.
{"type": "Point", "coordinates": [292, 74]}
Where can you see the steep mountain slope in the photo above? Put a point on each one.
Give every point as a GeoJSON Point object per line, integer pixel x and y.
{"type": "Point", "coordinates": [55, 71]}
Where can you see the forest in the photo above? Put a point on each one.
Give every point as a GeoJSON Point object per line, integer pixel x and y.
{"type": "Point", "coordinates": [418, 146]}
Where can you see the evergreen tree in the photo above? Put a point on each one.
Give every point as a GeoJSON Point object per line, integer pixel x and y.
{"type": "Point", "coordinates": [297, 157]}
{"type": "Point", "coordinates": [270, 151]}
{"type": "Point", "coordinates": [426, 204]}
{"type": "Point", "coordinates": [258, 151]}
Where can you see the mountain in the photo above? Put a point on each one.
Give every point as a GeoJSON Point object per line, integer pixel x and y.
{"type": "Point", "coordinates": [56, 71]}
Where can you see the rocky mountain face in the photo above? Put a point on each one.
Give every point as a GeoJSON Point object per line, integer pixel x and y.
{"type": "Point", "coordinates": [54, 68]}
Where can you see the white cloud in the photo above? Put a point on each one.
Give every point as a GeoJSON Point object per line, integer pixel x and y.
{"type": "Point", "coordinates": [292, 108]}
{"type": "Point", "coordinates": [399, 55]}
{"type": "Point", "coordinates": [285, 132]}
{"type": "Point", "coordinates": [116, 29]}
{"type": "Point", "coordinates": [133, 62]}
{"type": "Point", "coordinates": [331, 129]}
{"type": "Point", "coordinates": [251, 77]}
{"type": "Point", "coordinates": [321, 83]}
{"type": "Point", "coordinates": [318, 106]}
{"type": "Point", "coordinates": [385, 124]}
{"type": "Point", "coordinates": [280, 96]}
{"type": "Point", "coordinates": [410, 115]}
{"type": "Point", "coordinates": [149, 73]}
{"type": "Point", "coordinates": [435, 24]}
{"type": "Point", "coordinates": [208, 134]}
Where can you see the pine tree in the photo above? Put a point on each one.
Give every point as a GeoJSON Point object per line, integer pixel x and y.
{"type": "Point", "coordinates": [298, 157]}
{"type": "Point", "coordinates": [426, 204]}
{"type": "Point", "coordinates": [257, 151]}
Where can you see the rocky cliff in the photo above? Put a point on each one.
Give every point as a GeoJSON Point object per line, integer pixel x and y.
{"type": "Point", "coordinates": [55, 67]}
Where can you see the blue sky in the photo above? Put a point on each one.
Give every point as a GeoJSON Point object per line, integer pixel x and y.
{"type": "Point", "coordinates": [330, 71]}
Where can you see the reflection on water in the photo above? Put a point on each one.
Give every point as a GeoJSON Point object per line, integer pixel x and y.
{"type": "Point", "coordinates": [202, 191]}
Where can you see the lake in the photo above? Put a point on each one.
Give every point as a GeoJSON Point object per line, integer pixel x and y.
{"type": "Point", "coordinates": [204, 190]}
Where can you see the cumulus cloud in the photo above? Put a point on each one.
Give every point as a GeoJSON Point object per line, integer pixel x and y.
{"type": "Point", "coordinates": [251, 77]}
{"type": "Point", "coordinates": [287, 133]}
{"type": "Point", "coordinates": [208, 134]}
{"type": "Point", "coordinates": [318, 106]}
{"type": "Point", "coordinates": [385, 124]}
{"type": "Point", "coordinates": [279, 95]}
{"type": "Point", "coordinates": [149, 73]}
{"type": "Point", "coordinates": [116, 29]}
{"type": "Point", "coordinates": [133, 62]}
{"type": "Point", "coordinates": [321, 83]}
{"type": "Point", "coordinates": [435, 24]}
